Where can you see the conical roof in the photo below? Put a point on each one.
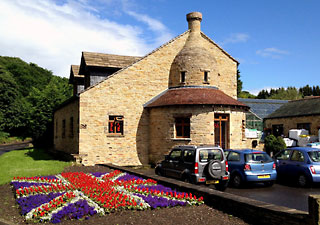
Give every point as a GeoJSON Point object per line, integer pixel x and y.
{"type": "Point", "coordinates": [193, 64]}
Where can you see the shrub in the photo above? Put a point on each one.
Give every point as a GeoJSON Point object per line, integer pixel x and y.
{"type": "Point", "coordinates": [274, 144]}
{"type": "Point", "coordinates": [3, 137]}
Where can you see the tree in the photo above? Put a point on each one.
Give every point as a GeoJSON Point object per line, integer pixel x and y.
{"type": "Point", "coordinates": [43, 103]}
{"type": "Point", "coordinates": [239, 83]}
{"type": "Point", "coordinates": [274, 144]}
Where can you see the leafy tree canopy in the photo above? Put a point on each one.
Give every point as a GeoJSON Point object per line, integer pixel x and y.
{"type": "Point", "coordinates": [28, 95]}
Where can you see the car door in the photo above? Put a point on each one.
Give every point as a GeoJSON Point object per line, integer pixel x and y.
{"type": "Point", "coordinates": [172, 162]}
{"type": "Point", "coordinates": [296, 164]}
{"type": "Point", "coordinates": [234, 162]}
{"type": "Point", "coordinates": [282, 162]}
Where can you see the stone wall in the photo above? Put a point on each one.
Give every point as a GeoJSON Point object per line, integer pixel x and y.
{"type": "Point", "coordinates": [69, 142]}
{"type": "Point", "coordinates": [124, 94]}
{"type": "Point", "coordinates": [291, 123]}
{"type": "Point", "coordinates": [162, 131]}
{"type": "Point", "coordinates": [225, 76]}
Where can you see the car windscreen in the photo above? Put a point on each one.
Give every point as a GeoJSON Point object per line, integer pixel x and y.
{"type": "Point", "coordinates": [258, 158]}
{"type": "Point", "coordinates": [205, 155]}
{"type": "Point", "coordinates": [314, 156]}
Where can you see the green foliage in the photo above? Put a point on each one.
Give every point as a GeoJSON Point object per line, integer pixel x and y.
{"type": "Point", "coordinates": [246, 94]}
{"type": "Point", "coordinates": [28, 95]}
{"type": "Point", "coordinates": [32, 162]}
{"type": "Point", "coordinates": [3, 137]}
{"type": "Point", "coordinates": [290, 93]}
{"type": "Point", "coordinates": [239, 84]}
{"type": "Point", "coordinates": [273, 144]}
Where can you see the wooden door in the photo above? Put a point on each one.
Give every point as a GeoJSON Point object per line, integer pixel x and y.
{"type": "Point", "coordinates": [221, 130]}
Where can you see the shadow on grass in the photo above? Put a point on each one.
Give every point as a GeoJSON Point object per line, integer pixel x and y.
{"type": "Point", "coordinates": [41, 154]}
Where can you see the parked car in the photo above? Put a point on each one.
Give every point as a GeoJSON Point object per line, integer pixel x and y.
{"type": "Point", "coordinates": [196, 164]}
{"type": "Point", "coordinates": [299, 164]}
{"type": "Point", "coordinates": [250, 166]}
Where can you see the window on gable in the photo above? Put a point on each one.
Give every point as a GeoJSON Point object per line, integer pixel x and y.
{"type": "Point", "coordinates": [71, 127]}
{"type": "Point", "coordinates": [116, 125]}
{"type": "Point", "coordinates": [182, 125]}
{"type": "Point", "coordinates": [63, 128]}
{"type": "Point", "coordinates": [206, 77]}
{"type": "Point", "coordinates": [183, 77]}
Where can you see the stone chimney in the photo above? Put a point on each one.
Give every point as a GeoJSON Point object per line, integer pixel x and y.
{"type": "Point", "coordinates": [194, 20]}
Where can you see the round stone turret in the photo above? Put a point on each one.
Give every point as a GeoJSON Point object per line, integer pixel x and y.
{"type": "Point", "coordinates": [193, 65]}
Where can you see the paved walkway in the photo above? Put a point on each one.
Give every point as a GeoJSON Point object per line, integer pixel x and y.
{"type": "Point", "coordinates": [7, 148]}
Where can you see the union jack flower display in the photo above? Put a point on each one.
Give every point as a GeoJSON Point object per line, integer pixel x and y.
{"type": "Point", "coordinates": [82, 195]}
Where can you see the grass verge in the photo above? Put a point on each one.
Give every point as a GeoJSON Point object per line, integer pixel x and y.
{"type": "Point", "coordinates": [28, 163]}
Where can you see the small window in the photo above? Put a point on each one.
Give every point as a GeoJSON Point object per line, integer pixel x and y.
{"type": "Point", "coordinates": [63, 128]}
{"type": "Point", "coordinates": [205, 155]}
{"type": "Point", "coordinates": [56, 129]}
{"type": "Point", "coordinates": [71, 127]}
{"type": "Point", "coordinates": [116, 125]}
{"type": "Point", "coordinates": [297, 156]}
{"type": "Point", "coordinates": [175, 155]}
{"type": "Point", "coordinates": [188, 156]}
{"type": "Point", "coordinates": [206, 77]}
{"type": "Point", "coordinates": [305, 126]}
{"type": "Point", "coordinates": [182, 127]}
{"type": "Point", "coordinates": [183, 77]}
{"type": "Point", "coordinates": [284, 155]}
{"type": "Point", "coordinates": [234, 156]}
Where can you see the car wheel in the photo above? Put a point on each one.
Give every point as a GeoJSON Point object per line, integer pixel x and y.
{"type": "Point", "coordinates": [303, 180]}
{"type": "Point", "coordinates": [187, 179]}
{"type": "Point", "coordinates": [159, 171]}
{"type": "Point", "coordinates": [214, 168]}
{"type": "Point", "coordinates": [236, 180]}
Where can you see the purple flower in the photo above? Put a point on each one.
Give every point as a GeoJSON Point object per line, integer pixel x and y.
{"type": "Point", "coordinates": [18, 184]}
{"type": "Point", "coordinates": [98, 174]}
{"type": "Point", "coordinates": [155, 201]}
{"type": "Point", "coordinates": [75, 210]}
{"type": "Point", "coordinates": [128, 177]}
{"type": "Point", "coordinates": [28, 203]}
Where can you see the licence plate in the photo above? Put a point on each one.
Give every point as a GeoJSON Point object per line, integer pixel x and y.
{"type": "Point", "coordinates": [212, 182]}
{"type": "Point", "coordinates": [263, 176]}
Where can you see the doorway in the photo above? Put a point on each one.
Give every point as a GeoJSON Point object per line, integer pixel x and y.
{"type": "Point", "coordinates": [221, 130]}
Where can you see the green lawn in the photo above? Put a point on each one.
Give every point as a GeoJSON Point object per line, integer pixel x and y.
{"type": "Point", "coordinates": [28, 163]}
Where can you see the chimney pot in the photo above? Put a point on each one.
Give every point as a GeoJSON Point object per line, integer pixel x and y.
{"type": "Point", "coordinates": [194, 19]}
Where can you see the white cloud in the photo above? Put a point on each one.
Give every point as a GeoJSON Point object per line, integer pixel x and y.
{"type": "Point", "coordinates": [272, 52]}
{"type": "Point", "coordinates": [53, 36]}
{"type": "Point", "coordinates": [236, 38]}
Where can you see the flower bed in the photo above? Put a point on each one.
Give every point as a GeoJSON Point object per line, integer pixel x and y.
{"type": "Point", "coordinates": [82, 195]}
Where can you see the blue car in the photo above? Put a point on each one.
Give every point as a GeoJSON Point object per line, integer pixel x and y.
{"type": "Point", "coordinates": [250, 166]}
{"type": "Point", "coordinates": [299, 164]}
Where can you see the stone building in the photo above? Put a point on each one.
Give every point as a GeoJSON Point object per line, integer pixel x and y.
{"type": "Point", "coordinates": [133, 110]}
{"type": "Point", "coordinates": [296, 114]}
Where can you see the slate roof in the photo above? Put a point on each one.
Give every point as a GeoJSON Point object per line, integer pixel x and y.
{"type": "Point", "coordinates": [262, 107]}
{"type": "Point", "coordinates": [193, 96]}
{"type": "Point", "coordinates": [108, 60]}
{"type": "Point", "coordinates": [74, 74]}
{"type": "Point", "coordinates": [302, 107]}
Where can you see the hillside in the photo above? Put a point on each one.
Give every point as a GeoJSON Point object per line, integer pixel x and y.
{"type": "Point", "coordinates": [28, 94]}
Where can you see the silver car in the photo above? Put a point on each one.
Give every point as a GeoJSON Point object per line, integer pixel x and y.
{"type": "Point", "coordinates": [196, 164]}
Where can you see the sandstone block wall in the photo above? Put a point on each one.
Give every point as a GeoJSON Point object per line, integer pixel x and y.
{"type": "Point", "coordinates": [124, 94]}
{"type": "Point", "coordinates": [70, 142]}
{"type": "Point", "coordinates": [292, 122]}
{"type": "Point", "coordinates": [162, 128]}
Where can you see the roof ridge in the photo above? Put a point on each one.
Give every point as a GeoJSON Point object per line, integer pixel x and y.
{"type": "Point", "coordinates": [124, 68]}
{"type": "Point", "coordinates": [112, 54]}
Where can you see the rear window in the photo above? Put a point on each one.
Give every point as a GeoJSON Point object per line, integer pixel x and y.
{"type": "Point", "coordinates": [314, 156]}
{"type": "Point", "coordinates": [205, 155]}
{"type": "Point", "coordinates": [258, 158]}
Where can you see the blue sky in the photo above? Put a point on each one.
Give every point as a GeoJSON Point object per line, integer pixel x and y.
{"type": "Point", "coordinates": [277, 42]}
